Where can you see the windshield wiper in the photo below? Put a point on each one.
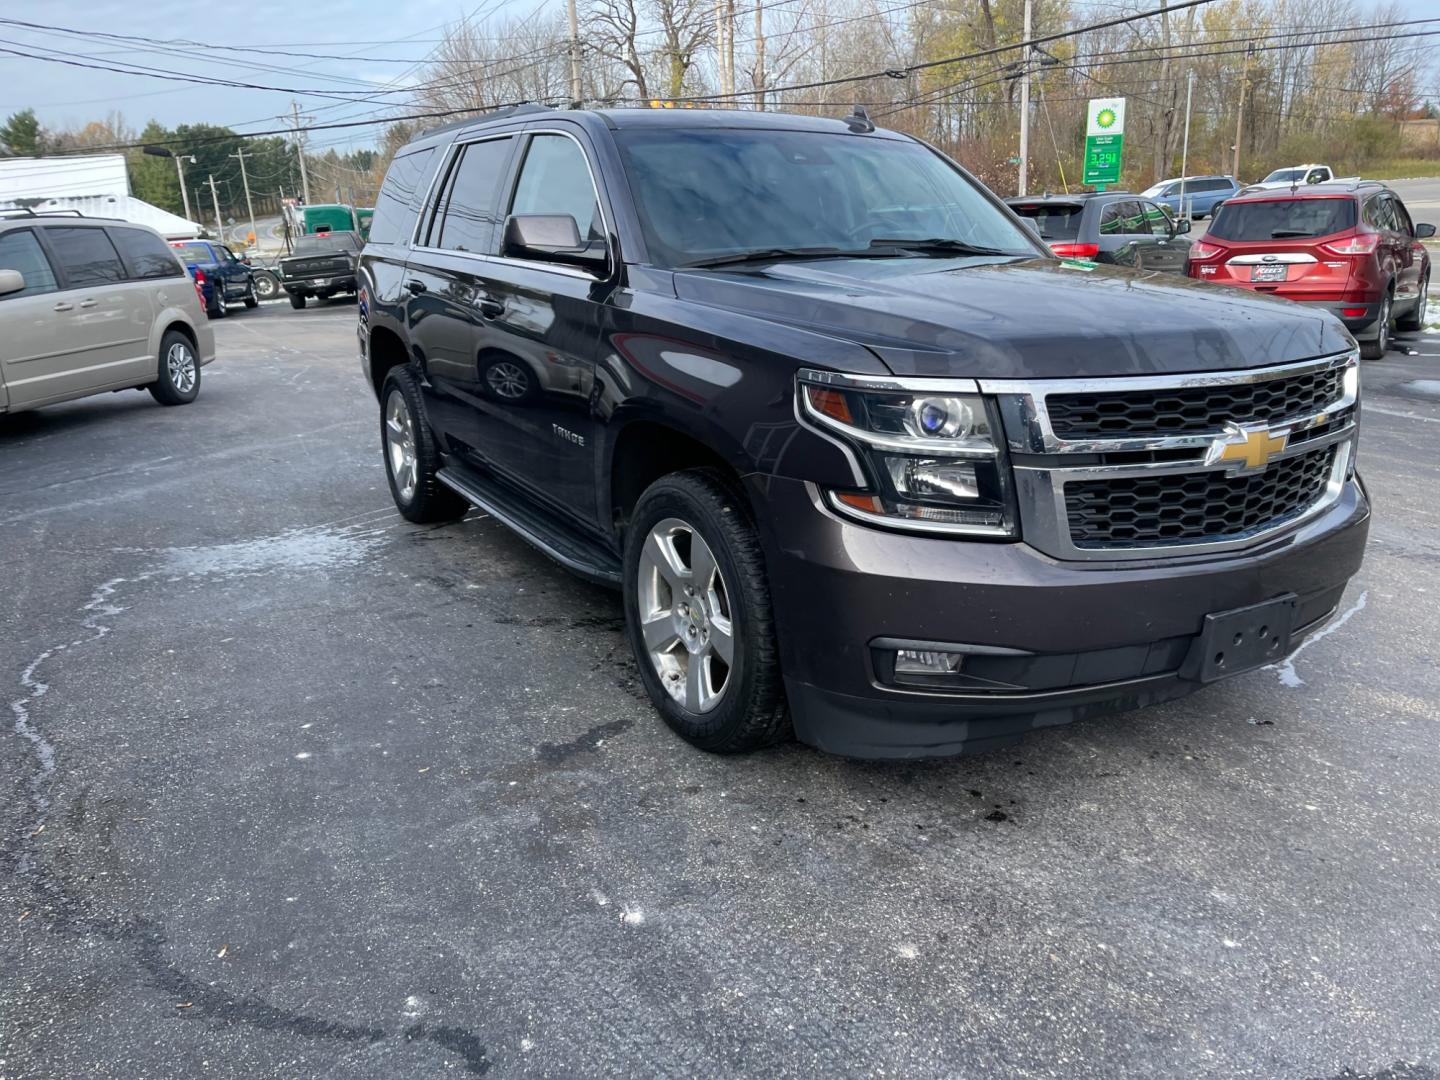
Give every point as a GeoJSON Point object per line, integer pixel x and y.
{"type": "Point", "coordinates": [941, 245]}
{"type": "Point", "coordinates": [762, 254]}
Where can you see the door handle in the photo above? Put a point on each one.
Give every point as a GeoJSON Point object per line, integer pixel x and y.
{"type": "Point", "coordinates": [63, 306]}
{"type": "Point", "coordinates": [87, 302]}
{"type": "Point", "coordinates": [416, 287]}
{"type": "Point", "coordinates": [490, 307]}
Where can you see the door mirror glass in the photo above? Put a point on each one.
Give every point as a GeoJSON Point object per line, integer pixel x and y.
{"type": "Point", "coordinates": [12, 281]}
{"type": "Point", "coordinates": [1182, 226]}
{"type": "Point", "coordinates": [549, 238]}
{"type": "Point", "coordinates": [1424, 231]}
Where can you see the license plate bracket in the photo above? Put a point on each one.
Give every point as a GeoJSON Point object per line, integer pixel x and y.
{"type": "Point", "coordinates": [1246, 638]}
{"type": "Point", "coordinates": [1269, 272]}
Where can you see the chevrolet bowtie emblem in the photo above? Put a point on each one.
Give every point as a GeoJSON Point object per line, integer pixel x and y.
{"type": "Point", "coordinates": [1246, 450]}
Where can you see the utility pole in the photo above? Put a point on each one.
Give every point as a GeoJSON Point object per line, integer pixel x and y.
{"type": "Point", "coordinates": [1025, 101]}
{"type": "Point", "coordinates": [214, 198]}
{"type": "Point", "coordinates": [249, 206]}
{"type": "Point", "coordinates": [1240, 115]}
{"type": "Point", "coordinates": [576, 93]}
{"type": "Point", "coordinates": [1185, 147]}
{"type": "Point", "coordinates": [300, 151]}
{"type": "Point", "coordinates": [725, 46]}
{"type": "Point", "coordinates": [1167, 94]}
{"type": "Point", "coordinates": [760, 55]}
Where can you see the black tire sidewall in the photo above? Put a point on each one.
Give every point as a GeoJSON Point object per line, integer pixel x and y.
{"type": "Point", "coordinates": [297, 302]}
{"type": "Point", "coordinates": [163, 390]}
{"type": "Point", "coordinates": [723, 729]}
{"type": "Point", "coordinates": [432, 501]}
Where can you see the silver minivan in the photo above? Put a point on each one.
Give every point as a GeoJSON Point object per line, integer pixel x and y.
{"type": "Point", "coordinates": [89, 305]}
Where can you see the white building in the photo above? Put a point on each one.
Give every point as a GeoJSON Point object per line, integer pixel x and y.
{"type": "Point", "coordinates": [97, 186]}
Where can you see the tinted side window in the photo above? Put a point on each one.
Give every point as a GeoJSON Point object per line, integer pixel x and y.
{"type": "Point", "coordinates": [1402, 217]}
{"type": "Point", "coordinates": [556, 180]}
{"type": "Point", "coordinates": [1156, 219]}
{"type": "Point", "coordinates": [147, 255]}
{"type": "Point", "coordinates": [1112, 221]}
{"type": "Point", "coordinates": [19, 250]}
{"type": "Point", "coordinates": [399, 195]}
{"type": "Point", "coordinates": [1213, 185]}
{"type": "Point", "coordinates": [87, 257]}
{"type": "Point", "coordinates": [466, 216]}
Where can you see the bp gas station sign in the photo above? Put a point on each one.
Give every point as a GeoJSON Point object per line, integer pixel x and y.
{"type": "Point", "coordinates": [1104, 141]}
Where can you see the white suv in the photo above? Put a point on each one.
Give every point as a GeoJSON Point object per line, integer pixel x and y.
{"type": "Point", "coordinates": [89, 305]}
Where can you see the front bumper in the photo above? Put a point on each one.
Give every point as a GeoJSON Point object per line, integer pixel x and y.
{"type": "Point", "coordinates": [1064, 641]}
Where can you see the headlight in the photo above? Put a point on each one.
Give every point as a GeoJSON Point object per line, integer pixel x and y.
{"type": "Point", "coordinates": [934, 459]}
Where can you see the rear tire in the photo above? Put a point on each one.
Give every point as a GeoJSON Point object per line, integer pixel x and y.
{"type": "Point", "coordinates": [297, 301]}
{"type": "Point", "coordinates": [267, 287]}
{"type": "Point", "coordinates": [1376, 350]}
{"type": "Point", "coordinates": [179, 378]}
{"type": "Point", "coordinates": [1415, 320]}
{"type": "Point", "coordinates": [695, 590]}
{"type": "Point", "coordinates": [219, 306]}
{"type": "Point", "coordinates": [412, 457]}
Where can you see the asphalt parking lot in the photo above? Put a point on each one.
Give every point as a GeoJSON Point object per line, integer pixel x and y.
{"type": "Point", "coordinates": [297, 789]}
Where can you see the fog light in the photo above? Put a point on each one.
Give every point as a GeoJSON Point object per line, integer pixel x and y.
{"type": "Point", "coordinates": [926, 662]}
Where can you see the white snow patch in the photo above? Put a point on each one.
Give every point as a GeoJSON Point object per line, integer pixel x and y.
{"type": "Point", "coordinates": [632, 917]}
{"type": "Point", "coordinates": [599, 897]}
{"type": "Point", "coordinates": [527, 1044]}
{"type": "Point", "coordinates": [295, 550]}
{"type": "Point", "coordinates": [908, 951]}
{"type": "Point", "coordinates": [304, 755]}
{"type": "Point", "coordinates": [414, 1008]}
{"type": "Point", "coordinates": [1229, 944]}
{"type": "Point", "coordinates": [1286, 669]}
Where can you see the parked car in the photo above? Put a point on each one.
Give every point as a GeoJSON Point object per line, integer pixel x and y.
{"type": "Point", "coordinates": [1108, 227]}
{"type": "Point", "coordinates": [89, 305]}
{"type": "Point", "coordinates": [320, 265]}
{"type": "Point", "coordinates": [1202, 194]}
{"type": "Point", "coordinates": [864, 458]}
{"type": "Point", "coordinates": [221, 274]}
{"type": "Point", "coordinates": [1294, 176]}
{"type": "Point", "coordinates": [1348, 248]}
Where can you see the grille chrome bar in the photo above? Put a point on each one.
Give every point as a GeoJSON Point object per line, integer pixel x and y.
{"type": "Point", "coordinates": [1029, 428]}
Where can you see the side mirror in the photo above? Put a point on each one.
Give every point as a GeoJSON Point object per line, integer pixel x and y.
{"type": "Point", "coordinates": [12, 281]}
{"type": "Point", "coordinates": [1424, 231]}
{"type": "Point", "coordinates": [1182, 226]}
{"type": "Point", "coordinates": [245, 259]}
{"type": "Point", "coordinates": [549, 238]}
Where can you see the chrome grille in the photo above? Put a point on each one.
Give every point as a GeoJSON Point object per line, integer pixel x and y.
{"type": "Point", "coordinates": [1190, 409]}
{"type": "Point", "coordinates": [1153, 466]}
{"type": "Point", "coordinates": [1151, 511]}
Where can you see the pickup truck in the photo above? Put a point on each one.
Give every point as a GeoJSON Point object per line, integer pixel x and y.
{"type": "Point", "coordinates": [865, 460]}
{"type": "Point", "coordinates": [220, 275]}
{"type": "Point", "coordinates": [321, 265]}
{"type": "Point", "coordinates": [1297, 176]}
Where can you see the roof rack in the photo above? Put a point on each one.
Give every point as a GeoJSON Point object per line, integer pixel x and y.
{"type": "Point", "coordinates": [481, 115]}
{"type": "Point", "coordinates": [29, 212]}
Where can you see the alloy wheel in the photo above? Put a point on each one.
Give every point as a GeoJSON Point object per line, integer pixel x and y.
{"type": "Point", "coordinates": [400, 445]}
{"type": "Point", "coordinates": [507, 380]}
{"type": "Point", "coordinates": [1383, 340]}
{"type": "Point", "coordinates": [685, 615]}
{"type": "Point", "coordinates": [180, 366]}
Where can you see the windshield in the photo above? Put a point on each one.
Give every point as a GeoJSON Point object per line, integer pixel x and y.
{"type": "Point", "coordinates": [1054, 221]}
{"type": "Point", "coordinates": [706, 194]}
{"type": "Point", "coordinates": [1287, 176]}
{"type": "Point", "coordinates": [1282, 219]}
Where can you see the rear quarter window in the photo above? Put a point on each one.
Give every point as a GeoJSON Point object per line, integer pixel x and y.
{"type": "Point", "coordinates": [1055, 221]}
{"type": "Point", "coordinates": [400, 197]}
{"type": "Point", "coordinates": [1283, 219]}
{"type": "Point", "coordinates": [146, 255]}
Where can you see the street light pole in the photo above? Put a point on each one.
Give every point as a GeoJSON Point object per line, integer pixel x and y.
{"type": "Point", "coordinates": [184, 195]}
{"type": "Point", "coordinates": [575, 86]}
{"type": "Point", "coordinates": [1185, 146]}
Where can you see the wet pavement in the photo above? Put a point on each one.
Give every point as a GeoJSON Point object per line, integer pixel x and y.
{"type": "Point", "coordinates": [297, 789]}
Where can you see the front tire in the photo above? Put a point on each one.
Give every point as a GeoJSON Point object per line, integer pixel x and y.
{"type": "Point", "coordinates": [252, 298]}
{"type": "Point", "coordinates": [267, 287]}
{"type": "Point", "coordinates": [698, 614]}
{"type": "Point", "coordinates": [412, 458]}
{"type": "Point", "coordinates": [179, 378]}
{"type": "Point", "coordinates": [297, 301]}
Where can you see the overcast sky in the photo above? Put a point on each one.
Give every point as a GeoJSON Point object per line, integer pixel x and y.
{"type": "Point", "coordinates": [377, 33]}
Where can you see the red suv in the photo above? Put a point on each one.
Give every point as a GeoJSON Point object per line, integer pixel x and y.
{"type": "Point", "coordinates": [1350, 248]}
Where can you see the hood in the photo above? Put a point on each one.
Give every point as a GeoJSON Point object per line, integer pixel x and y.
{"type": "Point", "coordinates": [1023, 318]}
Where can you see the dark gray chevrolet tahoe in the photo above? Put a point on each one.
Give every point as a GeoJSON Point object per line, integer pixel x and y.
{"type": "Point", "coordinates": [864, 458]}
